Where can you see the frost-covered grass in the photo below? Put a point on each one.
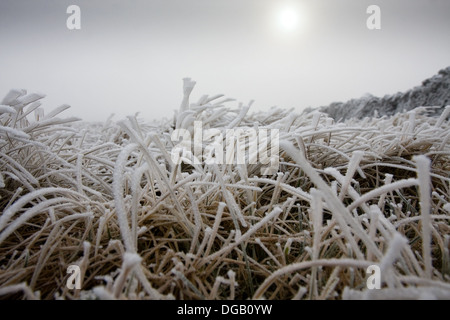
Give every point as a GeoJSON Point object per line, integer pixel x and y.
{"type": "Point", "coordinates": [107, 198]}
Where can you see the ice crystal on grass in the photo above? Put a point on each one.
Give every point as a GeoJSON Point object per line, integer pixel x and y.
{"type": "Point", "coordinates": [107, 198]}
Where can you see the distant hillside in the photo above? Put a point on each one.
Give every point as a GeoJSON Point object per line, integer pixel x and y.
{"type": "Point", "coordinates": [433, 92]}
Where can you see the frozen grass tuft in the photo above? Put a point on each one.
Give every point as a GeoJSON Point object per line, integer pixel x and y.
{"type": "Point", "coordinates": [106, 197]}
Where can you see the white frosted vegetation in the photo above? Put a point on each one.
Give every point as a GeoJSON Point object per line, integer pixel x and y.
{"type": "Point", "coordinates": [107, 198]}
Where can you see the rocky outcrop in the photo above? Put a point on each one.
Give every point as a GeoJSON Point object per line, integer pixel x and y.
{"type": "Point", "coordinates": [434, 92]}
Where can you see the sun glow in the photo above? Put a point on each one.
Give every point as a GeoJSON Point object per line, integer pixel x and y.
{"type": "Point", "coordinates": [289, 19]}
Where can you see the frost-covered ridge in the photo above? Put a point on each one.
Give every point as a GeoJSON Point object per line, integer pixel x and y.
{"type": "Point", "coordinates": [434, 92]}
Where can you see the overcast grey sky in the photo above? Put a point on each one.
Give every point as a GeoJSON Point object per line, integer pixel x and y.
{"type": "Point", "coordinates": [130, 56]}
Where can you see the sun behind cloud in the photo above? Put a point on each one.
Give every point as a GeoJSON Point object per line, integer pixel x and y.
{"type": "Point", "coordinates": [289, 18]}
